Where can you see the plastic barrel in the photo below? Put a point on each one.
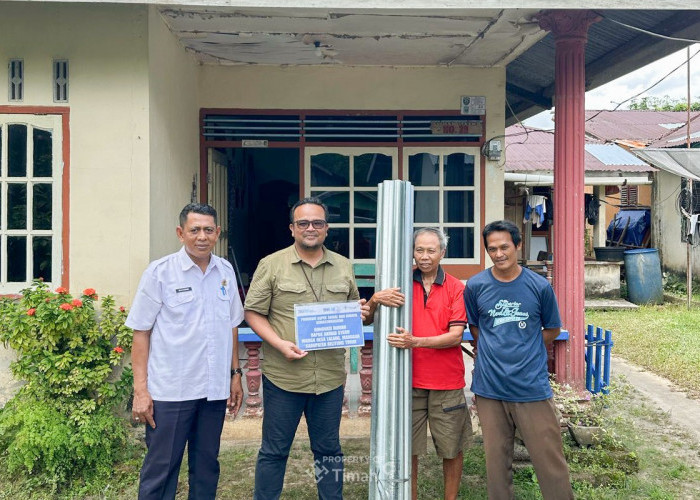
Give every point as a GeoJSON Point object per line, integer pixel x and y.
{"type": "Point", "coordinates": [643, 271]}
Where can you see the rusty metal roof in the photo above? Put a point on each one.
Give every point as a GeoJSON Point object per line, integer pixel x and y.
{"type": "Point", "coordinates": [532, 150]}
{"type": "Point", "coordinates": [659, 129]}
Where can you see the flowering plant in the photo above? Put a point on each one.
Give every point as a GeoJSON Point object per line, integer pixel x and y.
{"type": "Point", "coordinates": [71, 356]}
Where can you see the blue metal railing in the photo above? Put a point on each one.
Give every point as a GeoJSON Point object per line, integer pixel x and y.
{"type": "Point", "coordinates": [598, 346]}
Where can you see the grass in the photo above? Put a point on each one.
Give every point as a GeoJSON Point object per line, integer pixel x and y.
{"type": "Point", "coordinates": [639, 437]}
{"type": "Point", "coordinates": [666, 468]}
{"type": "Point", "coordinates": [663, 339]}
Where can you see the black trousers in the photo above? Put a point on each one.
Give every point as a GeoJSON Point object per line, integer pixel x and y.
{"type": "Point", "coordinates": [198, 424]}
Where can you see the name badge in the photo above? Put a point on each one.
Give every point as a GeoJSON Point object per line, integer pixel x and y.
{"type": "Point", "coordinates": [180, 290]}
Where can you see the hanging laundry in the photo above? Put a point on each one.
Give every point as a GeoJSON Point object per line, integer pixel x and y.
{"type": "Point", "coordinates": [535, 209]}
{"type": "Point", "coordinates": [693, 227]}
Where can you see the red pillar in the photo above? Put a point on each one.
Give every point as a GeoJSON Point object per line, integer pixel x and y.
{"type": "Point", "coordinates": [569, 28]}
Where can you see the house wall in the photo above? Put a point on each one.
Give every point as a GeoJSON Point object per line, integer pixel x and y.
{"type": "Point", "coordinates": [666, 226]}
{"type": "Point", "coordinates": [174, 133]}
{"type": "Point", "coordinates": [106, 46]}
{"type": "Point", "coordinates": [364, 88]}
{"type": "Point", "coordinates": [643, 198]}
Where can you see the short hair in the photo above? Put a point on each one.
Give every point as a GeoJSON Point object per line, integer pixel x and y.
{"type": "Point", "coordinates": [505, 226]}
{"type": "Point", "coordinates": [312, 200]}
{"type": "Point", "coordinates": [197, 208]}
{"type": "Point", "coordinates": [441, 236]}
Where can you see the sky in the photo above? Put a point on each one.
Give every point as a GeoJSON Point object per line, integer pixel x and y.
{"type": "Point", "coordinates": [609, 95]}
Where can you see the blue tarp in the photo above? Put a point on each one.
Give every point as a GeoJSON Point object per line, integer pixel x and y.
{"type": "Point", "coordinates": [639, 224]}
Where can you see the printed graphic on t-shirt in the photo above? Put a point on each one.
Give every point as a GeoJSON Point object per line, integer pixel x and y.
{"type": "Point", "coordinates": [508, 312]}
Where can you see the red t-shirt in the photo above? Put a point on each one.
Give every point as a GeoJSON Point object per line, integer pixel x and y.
{"type": "Point", "coordinates": [441, 369]}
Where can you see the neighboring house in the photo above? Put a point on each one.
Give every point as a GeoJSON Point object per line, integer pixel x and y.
{"type": "Point", "coordinates": [657, 129]}
{"type": "Point", "coordinates": [612, 174]}
{"type": "Point", "coordinates": [115, 115]}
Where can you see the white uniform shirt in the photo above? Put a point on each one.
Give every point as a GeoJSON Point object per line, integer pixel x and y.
{"type": "Point", "coordinates": [191, 315]}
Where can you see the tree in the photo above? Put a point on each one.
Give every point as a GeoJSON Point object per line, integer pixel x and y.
{"type": "Point", "coordinates": [665, 103]}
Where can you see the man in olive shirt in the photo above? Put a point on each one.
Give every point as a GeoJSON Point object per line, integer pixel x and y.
{"type": "Point", "coordinates": [296, 381]}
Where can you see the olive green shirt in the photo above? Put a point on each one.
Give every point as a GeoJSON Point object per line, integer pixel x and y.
{"type": "Point", "coordinates": [278, 284]}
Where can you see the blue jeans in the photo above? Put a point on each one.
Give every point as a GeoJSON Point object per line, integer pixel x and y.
{"type": "Point", "coordinates": [283, 410]}
{"type": "Point", "coordinates": [196, 422]}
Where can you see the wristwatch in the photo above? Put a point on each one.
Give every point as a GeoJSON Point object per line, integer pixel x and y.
{"type": "Point", "coordinates": [236, 370]}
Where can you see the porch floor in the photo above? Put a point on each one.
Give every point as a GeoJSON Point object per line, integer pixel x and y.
{"type": "Point", "coordinates": [608, 304]}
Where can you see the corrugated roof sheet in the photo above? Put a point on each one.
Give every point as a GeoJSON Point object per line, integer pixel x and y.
{"type": "Point", "coordinates": [610, 154]}
{"type": "Point", "coordinates": [653, 128]}
{"type": "Point", "coordinates": [532, 150]}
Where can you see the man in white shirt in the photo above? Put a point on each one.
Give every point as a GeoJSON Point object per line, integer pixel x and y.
{"type": "Point", "coordinates": [185, 358]}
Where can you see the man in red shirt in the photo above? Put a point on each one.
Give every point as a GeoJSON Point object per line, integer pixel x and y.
{"type": "Point", "coordinates": [439, 320]}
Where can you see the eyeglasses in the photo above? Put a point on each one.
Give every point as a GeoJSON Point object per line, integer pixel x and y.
{"type": "Point", "coordinates": [317, 224]}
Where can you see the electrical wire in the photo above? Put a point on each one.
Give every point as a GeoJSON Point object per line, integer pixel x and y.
{"type": "Point", "coordinates": [646, 32]}
{"type": "Point", "coordinates": [647, 89]}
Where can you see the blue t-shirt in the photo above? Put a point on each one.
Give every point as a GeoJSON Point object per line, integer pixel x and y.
{"type": "Point", "coordinates": [511, 361]}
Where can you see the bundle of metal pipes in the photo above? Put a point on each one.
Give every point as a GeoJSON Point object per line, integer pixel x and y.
{"type": "Point", "coordinates": [390, 455]}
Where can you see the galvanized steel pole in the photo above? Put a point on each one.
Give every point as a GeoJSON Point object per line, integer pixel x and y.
{"type": "Point", "coordinates": [390, 442]}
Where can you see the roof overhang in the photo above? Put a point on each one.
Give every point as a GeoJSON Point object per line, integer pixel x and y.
{"type": "Point", "coordinates": [590, 179]}
{"type": "Point", "coordinates": [684, 162]}
{"type": "Point", "coordinates": [446, 33]}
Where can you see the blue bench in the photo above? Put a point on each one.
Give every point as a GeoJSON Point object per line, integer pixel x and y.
{"type": "Point", "coordinates": [247, 335]}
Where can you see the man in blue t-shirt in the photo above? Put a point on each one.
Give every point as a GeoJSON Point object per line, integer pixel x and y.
{"type": "Point", "coordinates": [513, 315]}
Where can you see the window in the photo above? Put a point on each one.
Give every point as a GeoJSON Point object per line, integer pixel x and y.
{"type": "Point", "coordinates": [30, 200]}
{"type": "Point", "coordinates": [15, 84]}
{"type": "Point", "coordinates": [60, 80]}
{"type": "Point", "coordinates": [346, 181]}
{"type": "Point", "coordinates": [446, 196]}
{"type": "Point", "coordinates": [629, 196]}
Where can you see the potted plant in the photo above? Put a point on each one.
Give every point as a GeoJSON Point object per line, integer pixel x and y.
{"type": "Point", "coordinates": [582, 416]}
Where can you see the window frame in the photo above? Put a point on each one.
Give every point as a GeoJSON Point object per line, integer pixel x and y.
{"type": "Point", "coordinates": [57, 123]}
{"type": "Point", "coordinates": [441, 153]}
{"type": "Point", "coordinates": [351, 152]}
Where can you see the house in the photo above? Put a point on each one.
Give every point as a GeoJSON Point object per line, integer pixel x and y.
{"type": "Point", "coordinates": [614, 176]}
{"type": "Point", "coordinates": [666, 130]}
{"type": "Point", "coordinates": [115, 115]}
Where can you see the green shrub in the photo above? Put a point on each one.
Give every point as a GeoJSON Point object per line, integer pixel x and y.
{"type": "Point", "coordinates": [62, 425]}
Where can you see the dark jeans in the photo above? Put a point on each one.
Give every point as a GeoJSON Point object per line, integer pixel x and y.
{"type": "Point", "coordinates": [198, 423]}
{"type": "Point", "coordinates": [283, 410]}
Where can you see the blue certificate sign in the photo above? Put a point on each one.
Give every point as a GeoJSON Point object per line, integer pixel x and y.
{"type": "Point", "coordinates": [328, 325]}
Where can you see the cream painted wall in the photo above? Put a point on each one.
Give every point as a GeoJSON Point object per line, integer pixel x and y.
{"type": "Point", "coordinates": [381, 88]}
{"type": "Point", "coordinates": [666, 226]}
{"type": "Point", "coordinates": [174, 133]}
{"type": "Point", "coordinates": [108, 100]}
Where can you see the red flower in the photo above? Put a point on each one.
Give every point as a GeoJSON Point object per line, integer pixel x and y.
{"type": "Point", "coordinates": [62, 290]}
{"type": "Point", "coordinates": [77, 302]}
{"type": "Point", "coordinates": [118, 350]}
{"type": "Point", "coordinates": [30, 312]}
{"type": "Point", "coordinates": [121, 308]}
{"type": "Point", "coordinates": [90, 292]}
{"type": "Point", "coordinates": [66, 307]}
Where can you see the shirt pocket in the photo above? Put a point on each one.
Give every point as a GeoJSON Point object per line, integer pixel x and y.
{"type": "Point", "coordinates": [180, 308]}
{"type": "Point", "coordinates": [223, 305]}
{"type": "Point", "coordinates": [287, 294]}
{"type": "Point", "coordinates": [336, 292]}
